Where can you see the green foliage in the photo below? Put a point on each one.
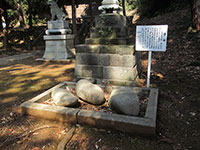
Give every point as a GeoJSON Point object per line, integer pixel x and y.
{"type": "Point", "coordinates": [130, 4]}
{"type": "Point", "coordinates": [154, 7]}
{"type": "Point", "coordinates": [36, 8]}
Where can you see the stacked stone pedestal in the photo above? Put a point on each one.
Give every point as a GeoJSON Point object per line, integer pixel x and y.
{"type": "Point", "coordinates": [59, 41]}
{"type": "Point", "coordinates": [108, 56]}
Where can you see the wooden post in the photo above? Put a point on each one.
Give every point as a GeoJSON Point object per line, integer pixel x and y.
{"type": "Point", "coordinates": [74, 22]}
{"type": "Point", "coordinates": [123, 6]}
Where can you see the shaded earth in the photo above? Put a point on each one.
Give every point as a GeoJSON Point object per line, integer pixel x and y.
{"type": "Point", "coordinates": [175, 73]}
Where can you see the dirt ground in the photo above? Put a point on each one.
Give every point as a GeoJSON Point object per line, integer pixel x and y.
{"type": "Point", "coordinates": [176, 73]}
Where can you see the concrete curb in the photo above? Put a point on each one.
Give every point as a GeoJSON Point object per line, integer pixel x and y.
{"type": "Point", "coordinates": [138, 125]}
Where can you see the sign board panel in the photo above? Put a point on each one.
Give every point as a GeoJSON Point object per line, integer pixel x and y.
{"type": "Point", "coordinates": [151, 38]}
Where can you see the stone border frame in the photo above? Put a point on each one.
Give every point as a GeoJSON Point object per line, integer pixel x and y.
{"type": "Point", "coordinates": [138, 125]}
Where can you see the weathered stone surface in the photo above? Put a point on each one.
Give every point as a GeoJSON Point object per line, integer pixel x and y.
{"type": "Point", "coordinates": [58, 24]}
{"type": "Point", "coordinates": [124, 100]}
{"type": "Point", "coordinates": [120, 73]}
{"type": "Point", "coordinates": [57, 46]}
{"type": "Point", "coordinates": [119, 82]}
{"type": "Point", "coordinates": [82, 71]}
{"type": "Point", "coordinates": [111, 32]}
{"type": "Point", "coordinates": [106, 49]}
{"type": "Point", "coordinates": [117, 49]}
{"type": "Point", "coordinates": [111, 19]}
{"type": "Point", "coordinates": [62, 97]}
{"type": "Point", "coordinates": [116, 41]}
{"type": "Point", "coordinates": [84, 48]}
{"type": "Point", "coordinates": [88, 59]}
{"type": "Point", "coordinates": [118, 60]}
{"type": "Point", "coordinates": [106, 59]}
{"type": "Point", "coordinates": [89, 92]}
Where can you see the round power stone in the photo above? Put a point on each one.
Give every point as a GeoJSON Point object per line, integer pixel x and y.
{"type": "Point", "coordinates": [124, 101]}
{"type": "Point", "coordinates": [89, 92]}
{"type": "Point", "coordinates": [63, 97]}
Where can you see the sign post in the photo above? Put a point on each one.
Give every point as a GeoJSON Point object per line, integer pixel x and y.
{"type": "Point", "coordinates": [151, 38]}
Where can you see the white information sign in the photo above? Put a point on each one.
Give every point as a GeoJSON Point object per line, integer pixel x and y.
{"type": "Point", "coordinates": [151, 38]}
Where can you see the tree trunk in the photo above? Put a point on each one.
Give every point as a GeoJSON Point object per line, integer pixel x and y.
{"type": "Point", "coordinates": [74, 22]}
{"type": "Point", "coordinates": [124, 8]}
{"type": "Point", "coordinates": [21, 16]}
{"type": "Point", "coordinates": [30, 17]}
{"type": "Point", "coordinates": [5, 31]}
{"type": "Point", "coordinates": [1, 26]}
{"type": "Point", "coordinates": [195, 11]}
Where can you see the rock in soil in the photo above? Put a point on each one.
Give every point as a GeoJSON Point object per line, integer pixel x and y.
{"type": "Point", "coordinates": [124, 101]}
{"type": "Point", "coordinates": [89, 92]}
{"type": "Point", "coordinates": [62, 97]}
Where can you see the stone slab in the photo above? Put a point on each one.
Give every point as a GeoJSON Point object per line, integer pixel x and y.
{"type": "Point", "coordinates": [119, 82]}
{"type": "Point", "coordinates": [58, 37]}
{"type": "Point", "coordinates": [82, 71]}
{"type": "Point", "coordinates": [57, 113]}
{"type": "Point", "coordinates": [58, 24]}
{"type": "Point", "coordinates": [106, 49]}
{"type": "Point", "coordinates": [106, 59]}
{"type": "Point", "coordinates": [137, 125]}
{"type": "Point", "coordinates": [58, 47]}
{"type": "Point", "coordinates": [58, 31]}
{"type": "Point", "coordinates": [120, 73]}
{"type": "Point", "coordinates": [108, 41]}
{"type": "Point", "coordinates": [88, 59]}
{"type": "Point", "coordinates": [115, 121]}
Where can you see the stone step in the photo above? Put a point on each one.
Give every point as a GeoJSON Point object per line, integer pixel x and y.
{"type": "Point", "coordinates": [106, 72]}
{"type": "Point", "coordinates": [107, 41]}
{"type": "Point", "coordinates": [106, 59]}
{"type": "Point", "coordinates": [106, 49]}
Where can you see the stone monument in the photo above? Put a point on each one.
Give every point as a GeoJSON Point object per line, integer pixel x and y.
{"type": "Point", "coordinates": [108, 56]}
{"type": "Point", "coordinates": [58, 38]}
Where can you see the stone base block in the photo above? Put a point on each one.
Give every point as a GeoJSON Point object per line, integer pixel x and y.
{"type": "Point", "coordinates": [58, 24]}
{"type": "Point", "coordinates": [120, 73]}
{"type": "Point", "coordinates": [107, 74]}
{"type": "Point", "coordinates": [58, 47]}
{"type": "Point", "coordinates": [85, 71]}
{"type": "Point", "coordinates": [107, 41]}
{"type": "Point", "coordinates": [106, 49]}
{"type": "Point", "coordinates": [106, 59]}
{"type": "Point", "coordinates": [58, 31]}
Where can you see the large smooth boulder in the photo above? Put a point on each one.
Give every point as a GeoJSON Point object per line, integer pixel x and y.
{"type": "Point", "coordinates": [89, 92]}
{"type": "Point", "coordinates": [124, 101]}
{"type": "Point", "coordinates": [62, 97]}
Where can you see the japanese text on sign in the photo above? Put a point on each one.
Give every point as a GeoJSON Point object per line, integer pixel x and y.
{"type": "Point", "coordinates": [151, 38]}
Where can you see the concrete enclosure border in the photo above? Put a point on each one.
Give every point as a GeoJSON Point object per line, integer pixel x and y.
{"type": "Point", "coordinates": [137, 125]}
